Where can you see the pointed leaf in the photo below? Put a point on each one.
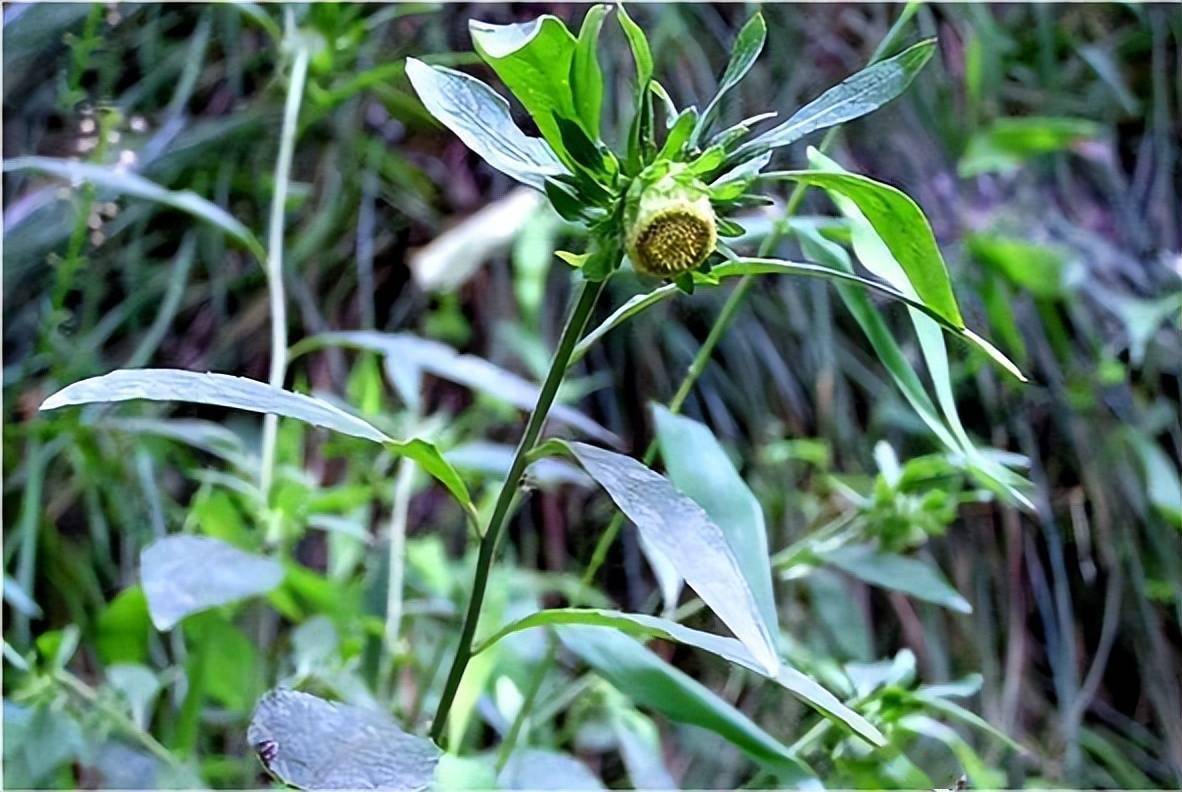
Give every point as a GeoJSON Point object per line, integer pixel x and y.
{"type": "Point", "coordinates": [312, 743]}
{"type": "Point", "coordinates": [748, 44]}
{"type": "Point", "coordinates": [480, 118]}
{"type": "Point", "coordinates": [682, 532]}
{"type": "Point", "coordinates": [586, 77]}
{"type": "Point", "coordinates": [910, 576]}
{"type": "Point", "coordinates": [862, 93]}
{"type": "Point", "coordinates": [699, 467]}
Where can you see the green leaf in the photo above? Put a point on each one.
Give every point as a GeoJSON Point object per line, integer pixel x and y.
{"type": "Point", "coordinates": [910, 576]}
{"type": "Point", "coordinates": [640, 130]}
{"type": "Point", "coordinates": [1009, 142]}
{"type": "Point", "coordinates": [586, 79]}
{"type": "Point", "coordinates": [224, 390]}
{"type": "Point", "coordinates": [651, 682]}
{"type": "Point", "coordinates": [638, 42]}
{"type": "Point", "coordinates": [699, 467]}
{"type": "Point", "coordinates": [729, 649]}
{"type": "Point", "coordinates": [312, 743]}
{"type": "Point", "coordinates": [539, 768]}
{"type": "Point", "coordinates": [533, 59]}
{"type": "Point", "coordinates": [125, 182]}
{"type": "Point", "coordinates": [1039, 269]}
{"type": "Point", "coordinates": [124, 627]}
{"type": "Point", "coordinates": [903, 228]}
{"type": "Point", "coordinates": [182, 575]}
{"type": "Point", "coordinates": [480, 118]}
{"type": "Point", "coordinates": [862, 93]}
{"type": "Point", "coordinates": [683, 533]}
{"type": "Point", "coordinates": [748, 44]}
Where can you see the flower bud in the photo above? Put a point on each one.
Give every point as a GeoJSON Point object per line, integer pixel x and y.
{"type": "Point", "coordinates": [671, 227]}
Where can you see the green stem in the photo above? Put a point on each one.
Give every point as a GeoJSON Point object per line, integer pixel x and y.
{"type": "Point", "coordinates": [275, 290]}
{"type": "Point", "coordinates": [588, 294]}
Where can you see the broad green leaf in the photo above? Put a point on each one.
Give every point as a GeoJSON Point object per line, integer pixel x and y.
{"type": "Point", "coordinates": [699, 467]}
{"type": "Point", "coordinates": [586, 78]}
{"type": "Point", "coordinates": [311, 743]}
{"type": "Point", "coordinates": [901, 225]}
{"type": "Point", "coordinates": [748, 44]}
{"type": "Point", "coordinates": [124, 627]}
{"type": "Point", "coordinates": [729, 649]}
{"type": "Point", "coordinates": [480, 118]}
{"type": "Point", "coordinates": [182, 575]}
{"type": "Point", "coordinates": [533, 59]}
{"type": "Point", "coordinates": [127, 183]}
{"type": "Point", "coordinates": [1039, 269]}
{"type": "Point", "coordinates": [439, 359]}
{"type": "Point", "coordinates": [862, 93]}
{"type": "Point", "coordinates": [224, 390]}
{"type": "Point", "coordinates": [1008, 142]}
{"type": "Point", "coordinates": [910, 576]}
{"type": "Point", "coordinates": [682, 532]}
{"type": "Point", "coordinates": [651, 682]}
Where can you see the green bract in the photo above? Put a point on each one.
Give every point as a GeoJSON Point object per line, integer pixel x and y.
{"type": "Point", "coordinates": [669, 190]}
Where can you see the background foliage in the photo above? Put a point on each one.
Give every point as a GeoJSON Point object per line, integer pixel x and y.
{"type": "Point", "coordinates": [1042, 141]}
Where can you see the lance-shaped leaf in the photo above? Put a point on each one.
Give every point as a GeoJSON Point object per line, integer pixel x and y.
{"type": "Point", "coordinates": [225, 390]}
{"type": "Point", "coordinates": [124, 182]}
{"type": "Point", "coordinates": [748, 45]}
{"type": "Point", "coordinates": [311, 743]}
{"type": "Point", "coordinates": [682, 532]}
{"type": "Point", "coordinates": [480, 118]}
{"type": "Point", "coordinates": [698, 466]}
{"type": "Point", "coordinates": [910, 576]}
{"type": "Point", "coordinates": [586, 78]}
{"type": "Point", "coordinates": [533, 59]}
{"type": "Point", "coordinates": [857, 95]}
{"type": "Point", "coordinates": [729, 649]}
{"type": "Point", "coordinates": [183, 575]}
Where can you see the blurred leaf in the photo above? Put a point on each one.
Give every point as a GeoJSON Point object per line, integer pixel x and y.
{"type": "Point", "coordinates": [685, 534]}
{"type": "Point", "coordinates": [910, 576]}
{"type": "Point", "coordinates": [183, 575]}
{"type": "Point", "coordinates": [1143, 318]}
{"type": "Point", "coordinates": [861, 93]}
{"type": "Point", "coordinates": [138, 686]}
{"type": "Point", "coordinates": [480, 118]}
{"type": "Point", "coordinates": [1038, 269]}
{"type": "Point", "coordinates": [640, 748]}
{"type": "Point", "coordinates": [1009, 142]}
{"type": "Point", "coordinates": [729, 649]}
{"type": "Point", "coordinates": [126, 183]}
{"type": "Point", "coordinates": [538, 768]}
{"type": "Point", "coordinates": [699, 467]}
{"type": "Point", "coordinates": [439, 359]}
{"type": "Point", "coordinates": [311, 743]}
{"type": "Point", "coordinates": [123, 628]}
{"type": "Point", "coordinates": [233, 672]}
{"type": "Point", "coordinates": [651, 682]}
{"type": "Point", "coordinates": [533, 59]}
{"type": "Point", "coordinates": [1162, 479]}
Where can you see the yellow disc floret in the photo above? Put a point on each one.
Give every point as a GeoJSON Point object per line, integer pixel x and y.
{"type": "Point", "coordinates": [672, 229]}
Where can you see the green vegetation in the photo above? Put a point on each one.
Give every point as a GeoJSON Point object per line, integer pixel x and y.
{"type": "Point", "coordinates": [746, 535]}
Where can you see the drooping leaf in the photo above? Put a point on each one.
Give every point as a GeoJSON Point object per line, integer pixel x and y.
{"type": "Point", "coordinates": [650, 682]}
{"type": "Point", "coordinates": [729, 649]}
{"type": "Point", "coordinates": [312, 743]}
{"type": "Point", "coordinates": [748, 44]}
{"type": "Point", "coordinates": [903, 228]}
{"type": "Point", "coordinates": [225, 390]}
{"type": "Point", "coordinates": [533, 59]}
{"type": "Point", "coordinates": [862, 93]}
{"type": "Point", "coordinates": [182, 575]}
{"type": "Point", "coordinates": [127, 183]}
{"type": "Point", "coordinates": [699, 467]}
{"type": "Point", "coordinates": [480, 118]}
{"type": "Point", "coordinates": [682, 532]}
{"type": "Point", "coordinates": [439, 359]}
{"type": "Point", "coordinates": [910, 576]}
